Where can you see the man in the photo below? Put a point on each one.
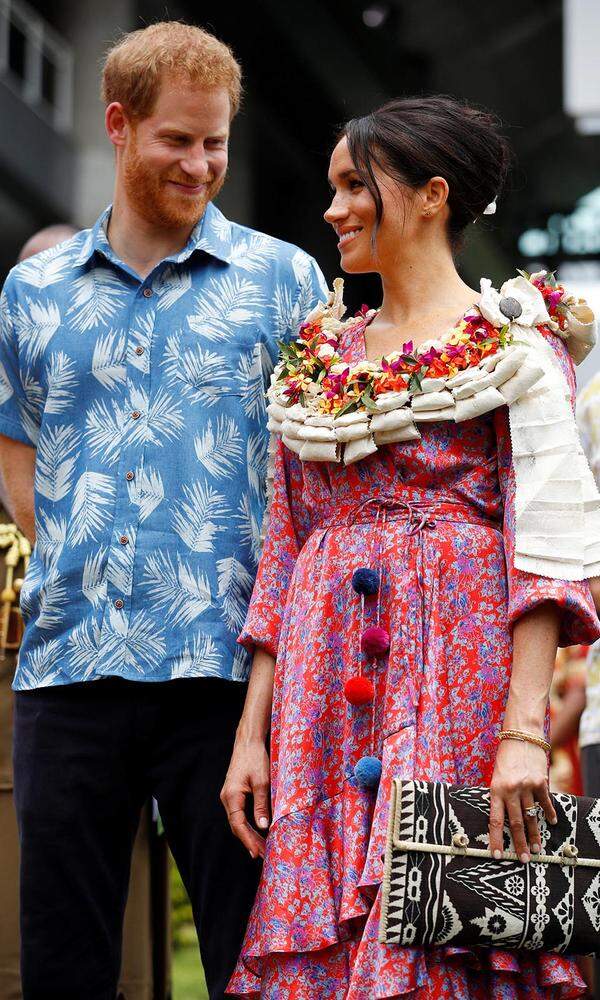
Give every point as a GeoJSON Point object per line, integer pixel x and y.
{"type": "Point", "coordinates": [134, 365]}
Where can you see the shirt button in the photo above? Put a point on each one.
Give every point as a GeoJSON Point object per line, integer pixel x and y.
{"type": "Point", "coordinates": [136, 415]}
{"type": "Point", "coordinates": [119, 603]}
{"type": "Point", "coordinates": [129, 476]}
{"type": "Point", "coordinates": [139, 350]}
{"type": "Point", "coordinates": [123, 539]}
{"type": "Point", "coordinates": [147, 293]}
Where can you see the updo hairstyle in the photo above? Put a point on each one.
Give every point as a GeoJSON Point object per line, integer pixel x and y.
{"type": "Point", "coordinates": [415, 138]}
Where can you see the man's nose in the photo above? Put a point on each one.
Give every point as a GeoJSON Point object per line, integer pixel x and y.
{"type": "Point", "coordinates": [195, 164]}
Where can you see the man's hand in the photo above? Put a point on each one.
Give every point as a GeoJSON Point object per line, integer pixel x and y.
{"type": "Point", "coordinates": [248, 774]}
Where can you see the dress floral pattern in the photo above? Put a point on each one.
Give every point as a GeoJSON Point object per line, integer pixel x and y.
{"type": "Point", "coordinates": [437, 517]}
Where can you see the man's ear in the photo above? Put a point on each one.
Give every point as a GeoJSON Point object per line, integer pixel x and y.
{"type": "Point", "coordinates": [117, 123]}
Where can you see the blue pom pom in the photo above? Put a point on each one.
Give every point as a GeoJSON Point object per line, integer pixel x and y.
{"type": "Point", "coordinates": [368, 772]}
{"type": "Point", "coordinates": [365, 581]}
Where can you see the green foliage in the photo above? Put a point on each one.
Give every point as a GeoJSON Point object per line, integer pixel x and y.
{"type": "Point", "coordinates": [183, 932]}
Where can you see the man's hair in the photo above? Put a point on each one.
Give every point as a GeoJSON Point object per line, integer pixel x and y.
{"type": "Point", "coordinates": [136, 65]}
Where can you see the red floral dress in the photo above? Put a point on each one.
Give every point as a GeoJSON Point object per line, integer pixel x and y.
{"type": "Point", "coordinates": [439, 525]}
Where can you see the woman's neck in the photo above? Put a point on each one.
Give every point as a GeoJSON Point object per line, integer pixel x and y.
{"type": "Point", "coordinates": [422, 283]}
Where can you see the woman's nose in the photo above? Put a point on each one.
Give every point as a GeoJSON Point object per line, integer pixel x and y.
{"type": "Point", "coordinates": [336, 212]}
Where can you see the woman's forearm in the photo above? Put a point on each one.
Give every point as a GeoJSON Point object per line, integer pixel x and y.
{"type": "Point", "coordinates": [256, 718]}
{"type": "Point", "coordinates": [535, 641]}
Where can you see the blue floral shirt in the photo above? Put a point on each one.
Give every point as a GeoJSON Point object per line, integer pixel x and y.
{"type": "Point", "coordinates": [145, 402]}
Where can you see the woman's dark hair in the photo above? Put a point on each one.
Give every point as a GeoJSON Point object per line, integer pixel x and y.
{"type": "Point", "coordinates": [415, 138]}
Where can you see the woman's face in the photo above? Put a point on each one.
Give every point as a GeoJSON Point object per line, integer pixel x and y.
{"type": "Point", "coordinates": [352, 214]}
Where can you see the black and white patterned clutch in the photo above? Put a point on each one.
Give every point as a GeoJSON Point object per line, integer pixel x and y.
{"type": "Point", "coordinates": [442, 886]}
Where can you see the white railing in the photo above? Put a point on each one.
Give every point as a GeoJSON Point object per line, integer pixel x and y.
{"type": "Point", "coordinates": [36, 63]}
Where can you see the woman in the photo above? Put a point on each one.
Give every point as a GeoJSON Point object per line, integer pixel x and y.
{"type": "Point", "coordinates": [472, 640]}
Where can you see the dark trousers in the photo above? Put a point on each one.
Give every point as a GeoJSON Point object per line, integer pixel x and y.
{"type": "Point", "coordinates": [87, 756]}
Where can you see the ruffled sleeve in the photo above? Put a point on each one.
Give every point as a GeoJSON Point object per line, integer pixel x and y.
{"type": "Point", "coordinates": [287, 530]}
{"type": "Point", "coordinates": [579, 622]}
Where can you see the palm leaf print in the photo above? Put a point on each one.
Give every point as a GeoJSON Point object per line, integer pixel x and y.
{"type": "Point", "coordinates": [32, 406]}
{"type": "Point", "coordinates": [83, 645]}
{"type": "Point", "coordinates": [55, 460]}
{"type": "Point", "coordinates": [119, 568]}
{"type": "Point", "coordinates": [202, 660]}
{"type": "Point", "coordinates": [221, 226]}
{"type": "Point", "coordinates": [108, 361]}
{"type": "Point", "coordinates": [46, 268]}
{"type": "Point", "coordinates": [32, 581]}
{"type": "Point", "coordinates": [104, 430]}
{"type": "Point", "coordinates": [249, 527]}
{"type": "Point", "coordinates": [195, 519]}
{"type": "Point", "coordinates": [6, 389]}
{"type": "Point", "coordinates": [234, 589]}
{"type": "Point", "coordinates": [140, 336]}
{"type": "Point", "coordinates": [97, 296]}
{"type": "Point", "coordinates": [36, 325]}
{"type": "Point", "coordinates": [92, 506]}
{"type": "Point", "coordinates": [50, 537]}
{"type": "Point", "coordinates": [138, 645]}
{"type": "Point", "coordinates": [254, 254]}
{"type": "Point", "coordinates": [282, 311]}
{"type": "Point", "coordinates": [257, 447]}
{"type": "Point", "coordinates": [171, 285]}
{"type": "Point", "coordinates": [225, 305]}
{"type": "Point", "coordinates": [52, 598]}
{"type": "Point", "coordinates": [146, 491]}
{"type": "Point", "coordinates": [219, 447]}
{"type": "Point", "coordinates": [37, 670]}
{"type": "Point", "coordinates": [240, 670]}
{"type": "Point", "coordinates": [250, 380]}
{"type": "Point", "coordinates": [160, 421]}
{"type": "Point", "coordinates": [205, 375]}
{"type": "Point", "coordinates": [61, 379]}
{"type": "Point", "coordinates": [94, 584]}
{"type": "Point", "coordinates": [177, 590]}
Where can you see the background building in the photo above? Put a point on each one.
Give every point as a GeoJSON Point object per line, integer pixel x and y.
{"type": "Point", "coordinates": [309, 65]}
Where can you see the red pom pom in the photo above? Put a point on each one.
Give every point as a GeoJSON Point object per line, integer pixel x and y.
{"type": "Point", "coordinates": [375, 641]}
{"type": "Point", "coordinates": [359, 691]}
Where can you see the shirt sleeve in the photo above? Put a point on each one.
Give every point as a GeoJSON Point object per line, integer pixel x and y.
{"type": "Point", "coordinates": [15, 409]}
{"type": "Point", "coordinates": [579, 622]}
{"type": "Point", "coordinates": [312, 289]}
{"type": "Point", "coordinates": [287, 530]}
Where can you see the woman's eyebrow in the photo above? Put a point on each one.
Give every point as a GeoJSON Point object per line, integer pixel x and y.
{"type": "Point", "coordinates": [342, 176]}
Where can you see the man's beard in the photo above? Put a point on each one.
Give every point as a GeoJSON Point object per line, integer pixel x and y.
{"type": "Point", "coordinates": [158, 201]}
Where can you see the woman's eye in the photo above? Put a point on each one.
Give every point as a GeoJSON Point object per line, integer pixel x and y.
{"type": "Point", "coordinates": [356, 184]}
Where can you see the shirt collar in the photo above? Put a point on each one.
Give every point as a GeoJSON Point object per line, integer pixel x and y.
{"type": "Point", "coordinates": [212, 234]}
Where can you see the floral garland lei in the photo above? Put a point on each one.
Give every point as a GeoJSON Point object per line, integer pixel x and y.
{"type": "Point", "coordinates": [328, 410]}
{"type": "Point", "coordinates": [312, 373]}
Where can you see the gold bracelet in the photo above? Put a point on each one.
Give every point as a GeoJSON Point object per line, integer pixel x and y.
{"type": "Point", "coordinates": [516, 734]}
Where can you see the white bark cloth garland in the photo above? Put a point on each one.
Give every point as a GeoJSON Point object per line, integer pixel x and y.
{"type": "Point", "coordinates": [557, 505]}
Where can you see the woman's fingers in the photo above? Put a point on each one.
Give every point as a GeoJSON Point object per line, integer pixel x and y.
{"type": "Point", "coordinates": [261, 804]}
{"type": "Point", "coordinates": [235, 807]}
{"type": "Point", "coordinates": [496, 824]}
{"type": "Point", "coordinates": [516, 819]}
{"type": "Point", "coordinates": [545, 801]}
{"type": "Point", "coordinates": [531, 823]}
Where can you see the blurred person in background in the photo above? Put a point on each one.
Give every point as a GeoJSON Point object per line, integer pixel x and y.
{"type": "Point", "coordinates": [136, 979]}
{"type": "Point", "coordinates": [134, 449]}
{"type": "Point", "coordinates": [588, 419]}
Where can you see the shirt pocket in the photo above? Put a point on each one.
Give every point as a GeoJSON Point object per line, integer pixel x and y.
{"type": "Point", "coordinates": [210, 371]}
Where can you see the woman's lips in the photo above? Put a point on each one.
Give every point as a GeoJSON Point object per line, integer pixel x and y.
{"type": "Point", "coordinates": [347, 237]}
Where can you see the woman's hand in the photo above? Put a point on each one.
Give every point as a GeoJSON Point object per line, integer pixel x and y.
{"type": "Point", "coordinates": [520, 780]}
{"type": "Point", "coordinates": [248, 774]}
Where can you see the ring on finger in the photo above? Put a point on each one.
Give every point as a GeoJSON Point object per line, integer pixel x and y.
{"type": "Point", "coordinates": [532, 812]}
